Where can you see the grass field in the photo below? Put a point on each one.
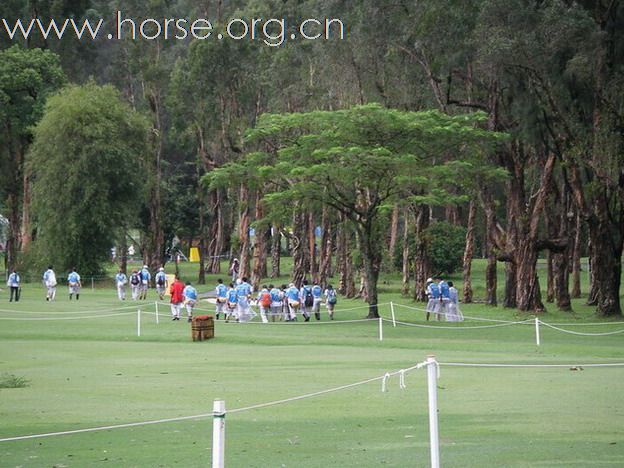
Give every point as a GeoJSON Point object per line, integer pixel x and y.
{"type": "Point", "coordinates": [76, 366]}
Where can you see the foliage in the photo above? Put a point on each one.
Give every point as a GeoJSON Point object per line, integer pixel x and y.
{"type": "Point", "coordinates": [445, 246]}
{"type": "Point", "coordinates": [87, 175]}
{"type": "Point", "coordinates": [13, 381]}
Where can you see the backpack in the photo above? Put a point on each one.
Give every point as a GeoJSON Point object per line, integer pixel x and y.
{"type": "Point", "coordinates": [308, 298]}
{"type": "Point", "coordinates": [331, 296]}
{"type": "Point", "coordinates": [134, 279]}
{"type": "Point", "coordinates": [265, 299]}
{"type": "Point", "coordinates": [160, 281]}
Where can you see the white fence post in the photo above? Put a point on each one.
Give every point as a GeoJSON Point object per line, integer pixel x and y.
{"type": "Point", "coordinates": [138, 322]}
{"type": "Point", "coordinates": [218, 434]}
{"type": "Point", "coordinates": [157, 320]}
{"type": "Point", "coordinates": [393, 317]}
{"type": "Point", "coordinates": [537, 332]}
{"type": "Point", "coordinates": [380, 329]}
{"type": "Point", "coordinates": [432, 381]}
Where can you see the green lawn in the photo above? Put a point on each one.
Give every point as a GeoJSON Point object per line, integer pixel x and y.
{"type": "Point", "coordinates": [93, 372]}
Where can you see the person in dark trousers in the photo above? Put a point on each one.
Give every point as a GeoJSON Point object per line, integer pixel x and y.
{"type": "Point", "coordinates": [14, 284]}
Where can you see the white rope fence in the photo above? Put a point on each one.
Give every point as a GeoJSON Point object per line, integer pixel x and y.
{"type": "Point", "coordinates": [232, 411]}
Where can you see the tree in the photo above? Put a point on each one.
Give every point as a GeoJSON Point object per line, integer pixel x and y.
{"type": "Point", "coordinates": [86, 166]}
{"type": "Point", "coordinates": [27, 77]}
{"type": "Point", "coordinates": [359, 161]}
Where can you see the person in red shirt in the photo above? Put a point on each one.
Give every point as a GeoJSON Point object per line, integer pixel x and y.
{"type": "Point", "coordinates": [177, 297]}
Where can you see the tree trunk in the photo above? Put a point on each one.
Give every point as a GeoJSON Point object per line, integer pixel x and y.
{"type": "Point", "coordinates": [469, 252]}
{"type": "Point", "coordinates": [606, 259]}
{"type": "Point", "coordinates": [299, 248]}
{"type": "Point", "coordinates": [422, 266]}
{"type": "Point", "coordinates": [217, 232]}
{"type": "Point", "coordinates": [122, 253]}
{"type": "Point", "coordinates": [26, 235]}
{"type": "Point", "coordinates": [276, 253]}
{"type": "Point", "coordinates": [243, 233]}
{"type": "Point", "coordinates": [576, 258]}
{"type": "Point", "coordinates": [327, 248]}
{"type": "Point", "coordinates": [394, 232]}
{"type": "Point", "coordinates": [371, 264]}
{"type": "Point", "coordinates": [407, 261]}
{"type": "Point", "coordinates": [491, 279]}
{"type": "Point", "coordinates": [313, 271]}
{"type": "Point", "coordinates": [260, 248]}
{"type": "Point", "coordinates": [345, 262]}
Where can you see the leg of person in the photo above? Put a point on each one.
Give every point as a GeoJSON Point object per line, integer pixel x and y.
{"type": "Point", "coordinates": [11, 293]}
{"type": "Point", "coordinates": [53, 294]}
{"type": "Point", "coordinates": [317, 308]}
{"type": "Point", "coordinates": [263, 314]}
{"type": "Point", "coordinates": [173, 312]}
{"type": "Point", "coordinates": [330, 311]}
{"type": "Point", "coordinates": [189, 311]}
{"type": "Point", "coordinates": [77, 293]}
{"type": "Point", "coordinates": [18, 294]}
{"type": "Point", "coordinates": [304, 312]}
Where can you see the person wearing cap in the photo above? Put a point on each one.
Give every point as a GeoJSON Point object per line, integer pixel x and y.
{"type": "Point", "coordinates": [135, 284]}
{"type": "Point", "coordinates": [145, 279]}
{"type": "Point", "coordinates": [445, 299]}
{"type": "Point", "coordinates": [433, 304]}
{"type": "Point", "coordinates": [121, 280]}
{"type": "Point", "coordinates": [161, 283]}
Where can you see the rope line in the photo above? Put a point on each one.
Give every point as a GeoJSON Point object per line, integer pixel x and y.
{"type": "Point", "coordinates": [205, 415]}
{"type": "Point", "coordinates": [29, 319]}
{"type": "Point", "coordinates": [447, 327]}
{"type": "Point", "coordinates": [468, 364]}
{"type": "Point", "coordinates": [579, 333]}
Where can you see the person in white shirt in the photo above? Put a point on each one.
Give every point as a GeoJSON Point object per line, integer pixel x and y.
{"type": "Point", "coordinates": [121, 280]}
{"type": "Point", "coordinates": [14, 285]}
{"type": "Point", "coordinates": [49, 280]}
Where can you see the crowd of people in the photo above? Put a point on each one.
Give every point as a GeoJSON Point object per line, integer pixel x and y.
{"type": "Point", "coordinates": [443, 301]}
{"type": "Point", "coordinates": [233, 302]}
{"type": "Point", "coordinates": [275, 303]}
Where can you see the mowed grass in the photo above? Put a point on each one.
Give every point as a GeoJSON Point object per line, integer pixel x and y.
{"type": "Point", "coordinates": [87, 368]}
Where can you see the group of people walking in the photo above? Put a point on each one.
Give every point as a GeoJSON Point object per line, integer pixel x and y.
{"type": "Point", "coordinates": [443, 300]}
{"type": "Point", "coordinates": [275, 303]}
{"type": "Point", "coordinates": [14, 282]}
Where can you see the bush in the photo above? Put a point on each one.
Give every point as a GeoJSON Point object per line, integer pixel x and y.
{"type": "Point", "coordinates": [445, 246]}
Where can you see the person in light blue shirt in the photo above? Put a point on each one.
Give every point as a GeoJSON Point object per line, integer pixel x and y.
{"type": "Point", "coordinates": [121, 280]}
{"type": "Point", "coordinates": [433, 305]}
{"type": "Point", "coordinates": [277, 298]}
{"type": "Point", "coordinates": [306, 300]}
{"type": "Point", "coordinates": [145, 279]}
{"type": "Point", "coordinates": [221, 291]}
{"type": "Point", "coordinates": [49, 280]}
{"type": "Point", "coordinates": [13, 283]}
{"type": "Point", "coordinates": [454, 314]}
{"type": "Point", "coordinates": [294, 301]}
{"type": "Point", "coordinates": [244, 290]}
{"type": "Point", "coordinates": [232, 303]}
{"type": "Point", "coordinates": [161, 283]}
{"type": "Point", "coordinates": [190, 299]}
{"type": "Point", "coordinates": [444, 298]}
{"type": "Point", "coordinates": [317, 294]}
{"type": "Point", "coordinates": [73, 281]}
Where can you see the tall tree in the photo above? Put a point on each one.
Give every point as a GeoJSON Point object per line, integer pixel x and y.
{"type": "Point", "coordinates": [27, 78]}
{"type": "Point", "coordinates": [86, 164]}
{"type": "Point", "coordinates": [335, 158]}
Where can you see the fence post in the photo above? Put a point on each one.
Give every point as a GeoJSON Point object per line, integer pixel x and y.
{"type": "Point", "coordinates": [537, 332]}
{"type": "Point", "coordinates": [380, 329]}
{"type": "Point", "coordinates": [92, 284]}
{"type": "Point", "coordinates": [393, 317]}
{"type": "Point", "coordinates": [432, 381]}
{"type": "Point", "coordinates": [156, 303]}
{"type": "Point", "coordinates": [218, 434]}
{"type": "Point", "coordinates": [138, 322]}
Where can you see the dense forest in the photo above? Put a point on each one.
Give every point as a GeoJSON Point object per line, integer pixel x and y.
{"type": "Point", "coordinates": [352, 152]}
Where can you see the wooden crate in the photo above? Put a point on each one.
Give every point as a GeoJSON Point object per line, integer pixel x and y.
{"type": "Point", "coordinates": [202, 327]}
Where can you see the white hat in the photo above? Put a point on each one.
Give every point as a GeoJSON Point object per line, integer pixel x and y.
{"type": "Point", "coordinates": [161, 269]}
{"type": "Point", "coordinates": [429, 280]}
{"type": "Point", "coordinates": [145, 266]}
{"type": "Point", "coordinates": [291, 285]}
